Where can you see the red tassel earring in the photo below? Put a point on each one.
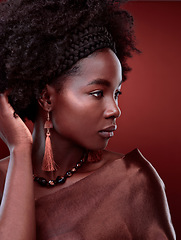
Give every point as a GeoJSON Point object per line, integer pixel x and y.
{"type": "Point", "coordinates": [48, 163]}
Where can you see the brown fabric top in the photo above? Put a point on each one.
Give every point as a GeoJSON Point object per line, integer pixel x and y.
{"type": "Point", "coordinates": [123, 200]}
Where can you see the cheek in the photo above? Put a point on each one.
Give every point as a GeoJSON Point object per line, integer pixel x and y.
{"type": "Point", "coordinates": [80, 122]}
{"type": "Point", "coordinates": [76, 116]}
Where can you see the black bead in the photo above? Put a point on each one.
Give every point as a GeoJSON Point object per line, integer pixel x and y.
{"type": "Point", "coordinates": [69, 174]}
{"type": "Point", "coordinates": [36, 179]}
{"type": "Point", "coordinates": [42, 181]}
{"type": "Point", "coordinates": [60, 180]}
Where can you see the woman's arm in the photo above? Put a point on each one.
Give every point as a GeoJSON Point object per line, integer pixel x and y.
{"type": "Point", "coordinates": [17, 211]}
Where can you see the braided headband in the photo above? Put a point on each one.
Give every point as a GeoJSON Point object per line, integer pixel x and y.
{"type": "Point", "coordinates": [82, 42]}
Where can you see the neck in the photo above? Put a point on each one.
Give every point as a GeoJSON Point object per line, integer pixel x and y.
{"type": "Point", "coordinates": [66, 154]}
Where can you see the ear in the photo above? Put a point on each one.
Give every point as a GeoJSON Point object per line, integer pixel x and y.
{"type": "Point", "coordinates": [47, 99]}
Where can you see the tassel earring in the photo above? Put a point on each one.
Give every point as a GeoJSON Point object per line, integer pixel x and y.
{"type": "Point", "coordinates": [48, 163]}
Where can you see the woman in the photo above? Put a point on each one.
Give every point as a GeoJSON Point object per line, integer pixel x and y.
{"type": "Point", "coordinates": [61, 67]}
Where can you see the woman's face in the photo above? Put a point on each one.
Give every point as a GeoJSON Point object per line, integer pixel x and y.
{"type": "Point", "coordinates": [86, 109]}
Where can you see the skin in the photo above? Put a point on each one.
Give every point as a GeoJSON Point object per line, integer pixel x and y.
{"type": "Point", "coordinates": [87, 104]}
{"type": "Point", "coordinates": [17, 205]}
{"type": "Point", "coordinates": [78, 112]}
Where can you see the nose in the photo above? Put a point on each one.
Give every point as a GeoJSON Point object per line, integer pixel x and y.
{"type": "Point", "coordinates": [112, 110]}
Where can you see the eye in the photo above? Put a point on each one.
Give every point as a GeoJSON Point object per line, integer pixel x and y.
{"type": "Point", "coordinates": [117, 94]}
{"type": "Point", "coordinates": [97, 94]}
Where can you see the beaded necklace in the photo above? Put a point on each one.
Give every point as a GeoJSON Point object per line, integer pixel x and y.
{"type": "Point", "coordinates": [60, 179]}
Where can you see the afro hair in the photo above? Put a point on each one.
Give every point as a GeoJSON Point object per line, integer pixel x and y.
{"type": "Point", "coordinates": [33, 35]}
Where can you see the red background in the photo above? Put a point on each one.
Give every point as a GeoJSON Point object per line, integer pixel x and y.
{"type": "Point", "coordinates": [151, 112]}
{"type": "Point", "coordinates": [151, 100]}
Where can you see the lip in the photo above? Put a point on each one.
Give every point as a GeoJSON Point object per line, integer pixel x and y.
{"type": "Point", "coordinates": [108, 131]}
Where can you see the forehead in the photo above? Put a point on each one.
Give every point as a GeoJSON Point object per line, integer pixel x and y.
{"type": "Point", "coordinates": [103, 62]}
{"type": "Point", "coordinates": [99, 65]}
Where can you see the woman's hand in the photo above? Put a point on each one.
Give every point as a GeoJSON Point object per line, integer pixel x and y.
{"type": "Point", "coordinates": [13, 131]}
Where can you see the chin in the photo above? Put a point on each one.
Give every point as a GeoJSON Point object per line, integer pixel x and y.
{"type": "Point", "coordinates": [98, 146]}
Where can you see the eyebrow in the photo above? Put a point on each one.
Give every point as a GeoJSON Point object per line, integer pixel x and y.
{"type": "Point", "coordinates": [102, 82]}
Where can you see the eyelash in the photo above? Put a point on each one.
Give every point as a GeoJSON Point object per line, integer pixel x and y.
{"type": "Point", "coordinates": [117, 94]}
{"type": "Point", "coordinates": [100, 93]}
